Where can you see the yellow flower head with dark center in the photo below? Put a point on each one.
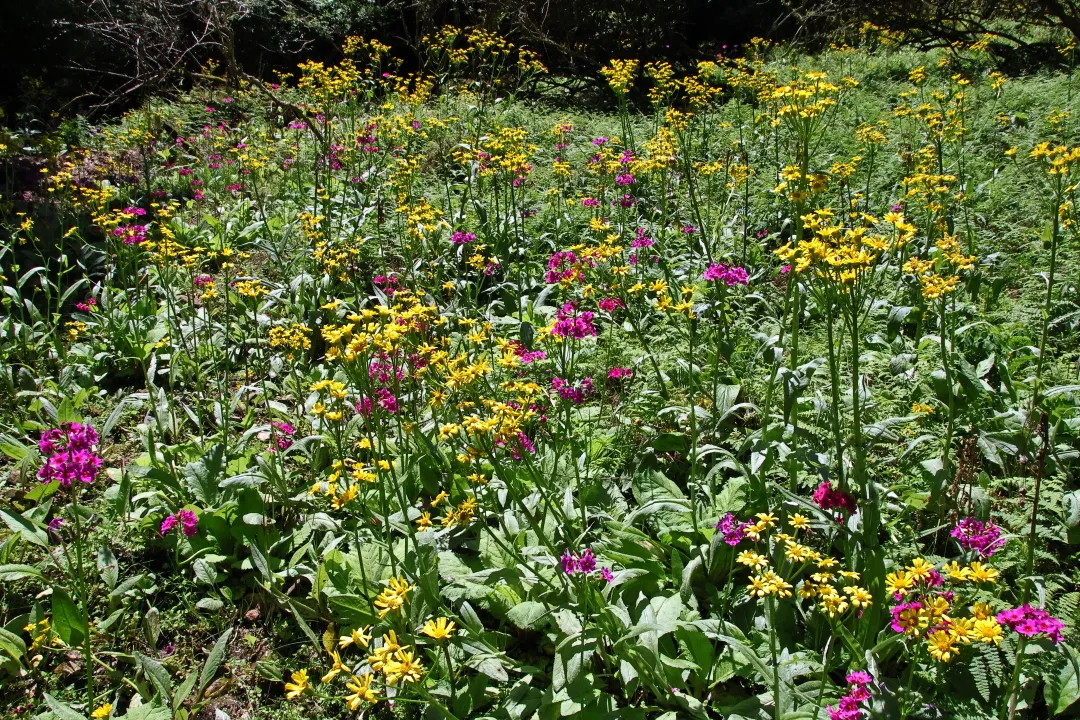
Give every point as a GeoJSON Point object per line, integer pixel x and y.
{"type": "Point", "coordinates": [942, 646]}
{"type": "Point", "coordinates": [983, 573]}
{"type": "Point", "coordinates": [899, 582]}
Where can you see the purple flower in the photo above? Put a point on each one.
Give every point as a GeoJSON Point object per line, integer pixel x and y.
{"type": "Point", "coordinates": [607, 575]}
{"type": "Point", "coordinates": [55, 524]}
{"type": "Point", "coordinates": [1028, 620]}
{"type": "Point", "coordinates": [590, 202]}
{"type": "Point", "coordinates": [728, 274]}
{"type": "Point", "coordinates": [624, 179]}
{"type": "Point", "coordinates": [188, 521]}
{"type": "Point", "coordinates": [283, 433]}
{"type": "Point", "coordinates": [732, 529]}
{"type": "Point", "coordinates": [571, 323]}
{"type": "Point", "coordinates": [610, 304]}
{"type": "Point", "coordinates": [977, 536]}
{"type": "Point", "coordinates": [587, 563]}
{"type": "Point", "coordinates": [618, 373]}
{"type": "Point", "coordinates": [574, 392]}
{"type": "Point", "coordinates": [72, 454]}
{"type": "Point", "coordinates": [168, 524]}
{"type": "Point", "coordinates": [600, 141]}
{"type": "Point", "coordinates": [461, 237]}
{"type": "Point", "coordinates": [569, 563]}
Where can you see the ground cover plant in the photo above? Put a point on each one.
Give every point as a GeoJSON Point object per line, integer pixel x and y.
{"type": "Point", "coordinates": [389, 394]}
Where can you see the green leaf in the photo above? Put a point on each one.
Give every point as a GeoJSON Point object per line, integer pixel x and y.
{"type": "Point", "coordinates": [156, 673]}
{"type": "Point", "coordinates": [12, 644]}
{"type": "Point", "coordinates": [526, 615]}
{"type": "Point", "coordinates": [11, 573]}
{"type": "Point", "coordinates": [213, 660]}
{"type": "Point", "coordinates": [61, 709]}
{"type": "Point", "coordinates": [1065, 688]}
{"type": "Point", "coordinates": [108, 566]}
{"type": "Point", "coordinates": [25, 528]}
{"type": "Point", "coordinates": [68, 622]}
{"type": "Point", "coordinates": [149, 711]}
{"type": "Point", "coordinates": [651, 484]}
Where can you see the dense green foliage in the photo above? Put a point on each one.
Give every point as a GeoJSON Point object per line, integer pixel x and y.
{"type": "Point", "coordinates": [400, 394]}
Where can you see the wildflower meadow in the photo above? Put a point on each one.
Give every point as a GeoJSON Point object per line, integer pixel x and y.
{"type": "Point", "coordinates": [409, 392]}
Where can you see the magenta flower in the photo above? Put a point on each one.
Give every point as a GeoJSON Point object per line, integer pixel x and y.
{"type": "Point", "coordinates": [188, 521]}
{"type": "Point", "coordinates": [168, 524]}
{"type": "Point", "coordinates": [590, 202]}
{"type": "Point", "coordinates": [610, 304]}
{"type": "Point", "coordinates": [72, 454]}
{"type": "Point", "coordinates": [618, 373]}
{"type": "Point", "coordinates": [607, 575]}
{"type": "Point", "coordinates": [1028, 620]}
{"type": "Point", "coordinates": [829, 499]}
{"type": "Point", "coordinates": [732, 529]}
{"type": "Point", "coordinates": [283, 433]}
{"type": "Point", "coordinates": [461, 237]}
{"type": "Point", "coordinates": [977, 536]}
{"type": "Point", "coordinates": [727, 274]}
{"type": "Point", "coordinates": [571, 323]}
{"type": "Point", "coordinates": [569, 563]}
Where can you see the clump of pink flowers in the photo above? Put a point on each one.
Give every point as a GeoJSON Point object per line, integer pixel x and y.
{"type": "Point", "coordinates": [727, 274]}
{"type": "Point", "coordinates": [1028, 620]}
{"type": "Point", "coordinates": [187, 520]}
{"type": "Point", "coordinates": [732, 528]}
{"type": "Point", "coordinates": [611, 304]}
{"type": "Point", "coordinates": [525, 355]}
{"type": "Point", "coordinates": [829, 499]}
{"type": "Point", "coordinates": [71, 451]}
{"type": "Point", "coordinates": [584, 564]}
{"type": "Point", "coordinates": [857, 692]}
{"type": "Point", "coordinates": [574, 392]}
{"type": "Point", "coordinates": [282, 434]}
{"type": "Point", "coordinates": [87, 306]}
{"type": "Point", "coordinates": [981, 537]}
{"type": "Point", "coordinates": [564, 265]}
{"type": "Point", "coordinates": [571, 323]}
{"type": "Point", "coordinates": [461, 237]}
{"type": "Point", "coordinates": [618, 373]}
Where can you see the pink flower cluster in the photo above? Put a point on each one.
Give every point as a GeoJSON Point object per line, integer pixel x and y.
{"type": "Point", "coordinates": [571, 323]}
{"type": "Point", "coordinates": [87, 306]}
{"type": "Point", "coordinates": [518, 445]}
{"type": "Point", "coordinates": [857, 692]}
{"type": "Point", "coordinates": [982, 537]}
{"type": "Point", "coordinates": [461, 237]}
{"type": "Point", "coordinates": [564, 265]}
{"type": "Point", "coordinates": [389, 284]}
{"type": "Point", "coordinates": [574, 392]}
{"type": "Point", "coordinates": [618, 373]}
{"type": "Point", "coordinates": [282, 435]}
{"type": "Point", "coordinates": [584, 563]}
{"type": "Point", "coordinates": [732, 528]}
{"type": "Point", "coordinates": [525, 355]}
{"type": "Point", "coordinates": [610, 304]}
{"type": "Point", "coordinates": [131, 234]}
{"type": "Point", "coordinates": [385, 399]}
{"type": "Point", "coordinates": [1028, 620]}
{"type": "Point", "coordinates": [727, 274]}
{"type": "Point", "coordinates": [72, 455]}
{"type": "Point", "coordinates": [590, 202]}
{"type": "Point", "coordinates": [829, 499]}
{"type": "Point", "coordinates": [187, 519]}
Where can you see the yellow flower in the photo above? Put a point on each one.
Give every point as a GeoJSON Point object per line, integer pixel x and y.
{"type": "Point", "coordinates": [981, 611]}
{"type": "Point", "coordinates": [103, 711]}
{"type": "Point", "coordinates": [752, 559]}
{"type": "Point", "coordinates": [423, 523]}
{"type": "Point", "coordinates": [403, 667]}
{"type": "Point", "coordinates": [439, 499]}
{"type": "Point", "coordinates": [359, 637]}
{"type": "Point", "coordinates": [983, 573]}
{"type": "Point", "coordinates": [393, 597]}
{"type": "Point", "coordinates": [360, 685]}
{"type": "Point", "coordinates": [962, 629]}
{"type": "Point", "coordinates": [860, 597]}
{"type": "Point", "coordinates": [920, 569]}
{"type": "Point", "coordinates": [899, 582]}
{"type": "Point", "coordinates": [987, 630]}
{"type": "Point", "coordinates": [942, 646]}
{"type": "Point", "coordinates": [799, 521]}
{"type": "Point", "coordinates": [438, 629]}
{"type": "Point", "coordinates": [335, 669]}
{"type": "Point", "coordinates": [298, 685]}
{"type": "Point", "coordinates": [957, 573]}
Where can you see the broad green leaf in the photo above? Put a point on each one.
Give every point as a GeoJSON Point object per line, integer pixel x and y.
{"type": "Point", "coordinates": [26, 529]}
{"type": "Point", "coordinates": [214, 659]}
{"type": "Point", "coordinates": [68, 621]}
{"type": "Point", "coordinates": [61, 710]}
